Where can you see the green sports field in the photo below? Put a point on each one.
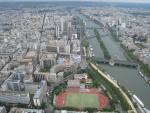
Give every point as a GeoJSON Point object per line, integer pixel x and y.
{"type": "Point", "coordinates": [82, 100]}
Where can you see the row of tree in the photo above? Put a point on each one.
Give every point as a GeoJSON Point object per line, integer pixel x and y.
{"type": "Point", "coordinates": [117, 97]}
{"type": "Point", "coordinates": [102, 45]}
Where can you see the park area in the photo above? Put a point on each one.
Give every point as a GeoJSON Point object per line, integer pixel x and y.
{"type": "Point", "coordinates": [80, 99]}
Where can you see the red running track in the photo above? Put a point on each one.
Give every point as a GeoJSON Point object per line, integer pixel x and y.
{"type": "Point", "coordinates": [60, 99]}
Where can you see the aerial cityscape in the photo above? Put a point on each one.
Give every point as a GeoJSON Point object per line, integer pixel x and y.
{"type": "Point", "coordinates": [74, 56]}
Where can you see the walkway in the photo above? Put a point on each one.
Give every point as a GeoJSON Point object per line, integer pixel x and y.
{"type": "Point", "coordinates": [116, 85]}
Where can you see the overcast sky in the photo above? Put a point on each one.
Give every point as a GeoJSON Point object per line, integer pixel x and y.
{"type": "Point", "coordinates": [136, 1]}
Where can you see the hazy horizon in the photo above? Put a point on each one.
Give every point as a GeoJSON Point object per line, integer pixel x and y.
{"type": "Point", "coordinates": [122, 1]}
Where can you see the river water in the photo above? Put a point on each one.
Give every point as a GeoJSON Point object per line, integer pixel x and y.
{"type": "Point", "coordinates": [127, 77]}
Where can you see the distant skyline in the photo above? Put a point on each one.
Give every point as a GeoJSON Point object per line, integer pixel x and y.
{"type": "Point", "coordinates": [129, 1]}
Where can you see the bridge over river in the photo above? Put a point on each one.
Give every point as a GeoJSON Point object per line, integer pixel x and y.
{"type": "Point", "coordinates": [116, 62]}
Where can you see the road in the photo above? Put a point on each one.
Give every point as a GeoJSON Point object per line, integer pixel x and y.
{"type": "Point", "coordinates": [50, 108]}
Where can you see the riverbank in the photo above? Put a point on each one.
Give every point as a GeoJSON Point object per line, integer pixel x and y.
{"type": "Point", "coordinates": [144, 67]}
{"type": "Point", "coordinates": [123, 96]}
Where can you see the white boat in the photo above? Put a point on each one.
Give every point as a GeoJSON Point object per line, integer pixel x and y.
{"type": "Point", "coordinates": [146, 79]}
{"type": "Point", "coordinates": [91, 48]}
{"type": "Point", "coordinates": [93, 54]}
{"type": "Point", "coordinates": [138, 101]}
{"type": "Point", "coordinates": [141, 73]}
{"type": "Point", "coordinates": [85, 23]}
{"type": "Point", "coordinates": [111, 62]}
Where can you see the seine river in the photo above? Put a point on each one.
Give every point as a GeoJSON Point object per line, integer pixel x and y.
{"type": "Point", "coordinates": [128, 77]}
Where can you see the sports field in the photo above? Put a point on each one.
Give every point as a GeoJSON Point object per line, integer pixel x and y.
{"type": "Point", "coordinates": [88, 98]}
{"type": "Point", "coordinates": [82, 100]}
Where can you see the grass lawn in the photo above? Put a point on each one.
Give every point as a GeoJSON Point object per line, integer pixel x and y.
{"type": "Point", "coordinates": [82, 100]}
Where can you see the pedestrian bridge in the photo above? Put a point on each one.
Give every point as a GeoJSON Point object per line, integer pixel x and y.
{"type": "Point", "coordinates": [116, 62]}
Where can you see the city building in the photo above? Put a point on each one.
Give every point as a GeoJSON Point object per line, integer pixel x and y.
{"type": "Point", "coordinates": [47, 60]}
{"type": "Point", "coordinates": [14, 97]}
{"type": "Point", "coordinates": [25, 110]}
{"type": "Point", "coordinates": [40, 93]}
{"type": "Point", "coordinates": [80, 76]}
{"type": "Point", "coordinates": [73, 83]}
{"type": "Point", "coordinates": [3, 109]}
